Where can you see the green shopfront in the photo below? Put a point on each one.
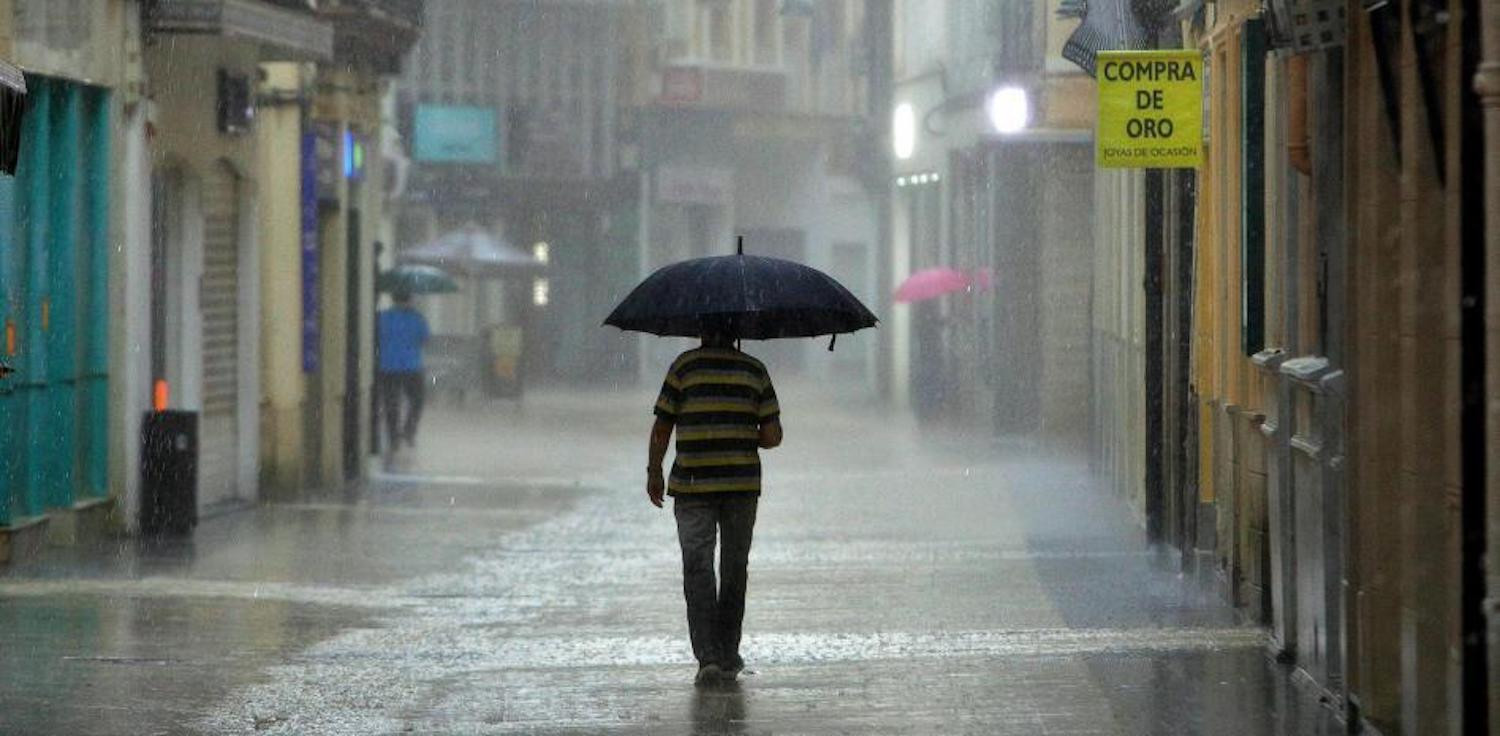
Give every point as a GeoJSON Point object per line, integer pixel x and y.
{"type": "Point", "coordinates": [54, 313]}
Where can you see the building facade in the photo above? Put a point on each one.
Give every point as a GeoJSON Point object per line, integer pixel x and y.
{"type": "Point", "coordinates": [205, 187]}
{"type": "Point", "coordinates": [321, 134]}
{"type": "Point", "coordinates": [748, 115]}
{"type": "Point", "coordinates": [131, 262]}
{"type": "Point", "coordinates": [1304, 415]}
{"type": "Point", "coordinates": [993, 177]}
{"type": "Point", "coordinates": [518, 120]}
{"type": "Point", "coordinates": [56, 237]}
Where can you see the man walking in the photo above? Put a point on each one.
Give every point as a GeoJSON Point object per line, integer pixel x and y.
{"type": "Point", "coordinates": [723, 408]}
{"type": "Point", "coordinates": [401, 332]}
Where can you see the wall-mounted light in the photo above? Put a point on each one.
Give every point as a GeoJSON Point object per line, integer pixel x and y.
{"type": "Point", "coordinates": [541, 252]}
{"type": "Point", "coordinates": [904, 131]}
{"type": "Point", "coordinates": [1009, 110]}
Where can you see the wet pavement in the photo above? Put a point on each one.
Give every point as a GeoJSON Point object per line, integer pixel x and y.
{"type": "Point", "coordinates": [508, 576]}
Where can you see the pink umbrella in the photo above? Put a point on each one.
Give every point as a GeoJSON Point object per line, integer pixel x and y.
{"type": "Point", "coordinates": [931, 283]}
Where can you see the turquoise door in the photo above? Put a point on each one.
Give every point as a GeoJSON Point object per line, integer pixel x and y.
{"type": "Point", "coordinates": [33, 222]}
{"type": "Point", "coordinates": [59, 456]}
{"type": "Point", "coordinates": [54, 303]}
{"type": "Point", "coordinates": [10, 299]}
{"type": "Point", "coordinates": [93, 374]}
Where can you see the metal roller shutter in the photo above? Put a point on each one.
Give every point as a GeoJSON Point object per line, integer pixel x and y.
{"type": "Point", "coordinates": [219, 446]}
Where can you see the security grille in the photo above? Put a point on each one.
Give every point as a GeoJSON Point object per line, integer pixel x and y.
{"type": "Point", "coordinates": [221, 332]}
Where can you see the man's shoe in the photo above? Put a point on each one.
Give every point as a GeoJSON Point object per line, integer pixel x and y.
{"type": "Point", "coordinates": [732, 671]}
{"type": "Point", "coordinates": [733, 667]}
{"type": "Point", "coordinates": [708, 674]}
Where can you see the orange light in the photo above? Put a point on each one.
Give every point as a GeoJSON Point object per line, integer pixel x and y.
{"type": "Point", "coordinates": [159, 394]}
{"type": "Point", "coordinates": [10, 338]}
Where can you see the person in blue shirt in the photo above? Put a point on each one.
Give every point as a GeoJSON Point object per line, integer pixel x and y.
{"type": "Point", "coordinates": [401, 332]}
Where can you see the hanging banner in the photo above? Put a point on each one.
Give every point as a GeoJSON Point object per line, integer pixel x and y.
{"type": "Point", "coordinates": [1150, 109]}
{"type": "Point", "coordinates": [311, 314]}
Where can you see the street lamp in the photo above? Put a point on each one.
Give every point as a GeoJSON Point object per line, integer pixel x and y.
{"type": "Point", "coordinates": [904, 131]}
{"type": "Point", "coordinates": [1009, 110]}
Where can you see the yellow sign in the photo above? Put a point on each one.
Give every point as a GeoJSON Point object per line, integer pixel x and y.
{"type": "Point", "coordinates": [1150, 109]}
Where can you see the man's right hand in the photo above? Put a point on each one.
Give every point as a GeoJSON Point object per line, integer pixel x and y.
{"type": "Point", "coordinates": [655, 487]}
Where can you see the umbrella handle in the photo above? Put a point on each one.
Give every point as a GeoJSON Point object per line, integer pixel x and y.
{"type": "Point", "coordinates": [831, 340]}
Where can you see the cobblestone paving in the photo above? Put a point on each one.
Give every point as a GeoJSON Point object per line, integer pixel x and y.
{"type": "Point", "coordinates": [509, 577]}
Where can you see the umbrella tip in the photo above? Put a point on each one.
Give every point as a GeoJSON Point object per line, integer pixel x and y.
{"type": "Point", "coordinates": [739, 247]}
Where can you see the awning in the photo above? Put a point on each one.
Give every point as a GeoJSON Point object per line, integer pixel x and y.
{"type": "Point", "coordinates": [12, 109]}
{"type": "Point", "coordinates": [288, 33]}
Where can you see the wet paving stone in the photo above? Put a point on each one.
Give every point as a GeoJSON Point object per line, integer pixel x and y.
{"type": "Point", "coordinates": [903, 581]}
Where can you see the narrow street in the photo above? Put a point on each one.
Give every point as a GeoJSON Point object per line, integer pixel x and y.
{"type": "Point", "coordinates": [510, 577]}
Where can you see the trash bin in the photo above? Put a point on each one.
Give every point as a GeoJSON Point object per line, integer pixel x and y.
{"type": "Point", "coordinates": [169, 473]}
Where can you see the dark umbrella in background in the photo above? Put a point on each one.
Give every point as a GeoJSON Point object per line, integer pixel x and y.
{"type": "Point", "coordinates": [472, 251]}
{"type": "Point", "coordinates": [762, 298]}
{"type": "Point", "coordinates": [12, 110]}
{"type": "Point", "coordinates": [416, 279]}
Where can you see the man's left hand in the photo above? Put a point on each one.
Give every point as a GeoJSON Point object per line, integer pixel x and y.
{"type": "Point", "coordinates": [655, 487]}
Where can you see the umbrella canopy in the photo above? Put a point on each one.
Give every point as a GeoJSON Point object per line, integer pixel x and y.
{"type": "Point", "coordinates": [1107, 24]}
{"type": "Point", "coordinates": [473, 252]}
{"type": "Point", "coordinates": [761, 298]}
{"type": "Point", "coordinates": [12, 110]}
{"type": "Point", "coordinates": [931, 283]}
{"type": "Point", "coordinates": [416, 279]}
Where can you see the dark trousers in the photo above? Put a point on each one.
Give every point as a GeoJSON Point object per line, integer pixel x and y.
{"type": "Point", "coordinates": [391, 387]}
{"type": "Point", "coordinates": [715, 609]}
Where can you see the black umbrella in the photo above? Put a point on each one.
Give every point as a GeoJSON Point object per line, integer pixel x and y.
{"type": "Point", "coordinates": [12, 110]}
{"type": "Point", "coordinates": [416, 279]}
{"type": "Point", "coordinates": [760, 298]}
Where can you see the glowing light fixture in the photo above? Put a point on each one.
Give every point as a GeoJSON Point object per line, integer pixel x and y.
{"type": "Point", "coordinates": [904, 131]}
{"type": "Point", "coordinates": [1009, 110]}
{"type": "Point", "coordinates": [541, 251]}
{"type": "Point", "coordinates": [541, 292]}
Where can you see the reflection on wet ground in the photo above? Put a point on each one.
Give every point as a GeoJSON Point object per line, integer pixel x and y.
{"type": "Point", "coordinates": [902, 581]}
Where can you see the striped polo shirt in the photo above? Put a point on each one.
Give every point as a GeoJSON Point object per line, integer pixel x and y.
{"type": "Point", "coordinates": [717, 398]}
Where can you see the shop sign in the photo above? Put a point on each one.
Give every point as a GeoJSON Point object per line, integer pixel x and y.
{"type": "Point", "coordinates": [681, 85]}
{"type": "Point", "coordinates": [694, 185]}
{"type": "Point", "coordinates": [456, 134]}
{"type": "Point", "coordinates": [1150, 109]}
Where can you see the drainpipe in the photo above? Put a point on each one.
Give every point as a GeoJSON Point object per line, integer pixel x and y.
{"type": "Point", "coordinates": [1479, 341]}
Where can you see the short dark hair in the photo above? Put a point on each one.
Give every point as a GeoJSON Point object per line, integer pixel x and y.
{"type": "Point", "coordinates": [717, 328]}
